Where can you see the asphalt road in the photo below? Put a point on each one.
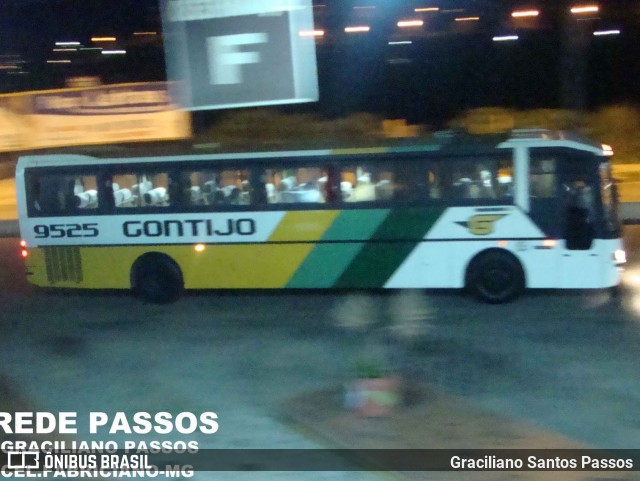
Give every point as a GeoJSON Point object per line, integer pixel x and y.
{"type": "Point", "coordinates": [566, 362]}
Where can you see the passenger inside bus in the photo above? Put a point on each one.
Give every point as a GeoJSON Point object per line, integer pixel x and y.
{"type": "Point", "coordinates": [302, 185]}
{"type": "Point", "coordinates": [579, 212]}
{"type": "Point", "coordinates": [141, 190]}
{"type": "Point", "coordinates": [56, 194]}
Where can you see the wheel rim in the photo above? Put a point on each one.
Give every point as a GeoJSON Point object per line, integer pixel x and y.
{"type": "Point", "coordinates": [495, 281]}
{"type": "Point", "coordinates": [158, 280]}
{"type": "Point", "coordinates": [151, 285]}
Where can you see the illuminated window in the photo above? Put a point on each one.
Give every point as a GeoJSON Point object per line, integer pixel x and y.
{"type": "Point", "coordinates": [542, 178]}
{"type": "Point", "coordinates": [57, 194]}
{"type": "Point", "coordinates": [296, 185]}
{"type": "Point", "coordinates": [481, 179]}
{"type": "Point", "coordinates": [215, 187]}
{"type": "Point", "coordinates": [141, 190]}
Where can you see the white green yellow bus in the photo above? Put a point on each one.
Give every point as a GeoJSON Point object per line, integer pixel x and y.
{"type": "Point", "coordinates": [493, 214]}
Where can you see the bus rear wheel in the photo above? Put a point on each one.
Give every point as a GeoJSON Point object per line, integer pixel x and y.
{"type": "Point", "coordinates": [495, 277]}
{"type": "Point", "coordinates": [157, 278]}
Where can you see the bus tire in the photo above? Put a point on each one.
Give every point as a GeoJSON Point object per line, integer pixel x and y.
{"type": "Point", "coordinates": [157, 278]}
{"type": "Point", "coordinates": [495, 276]}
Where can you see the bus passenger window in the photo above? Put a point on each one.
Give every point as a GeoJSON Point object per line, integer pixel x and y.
{"type": "Point", "coordinates": [391, 180]}
{"type": "Point", "coordinates": [364, 183]}
{"type": "Point", "coordinates": [504, 179]}
{"type": "Point", "coordinates": [482, 179]}
{"type": "Point", "coordinates": [85, 192]}
{"type": "Point", "coordinates": [63, 194]}
{"type": "Point", "coordinates": [542, 178]}
{"type": "Point", "coordinates": [211, 187]}
{"type": "Point", "coordinates": [141, 190]}
{"type": "Point", "coordinates": [298, 185]}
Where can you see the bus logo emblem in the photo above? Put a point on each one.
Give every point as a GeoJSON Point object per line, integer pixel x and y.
{"type": "Point", "coordinates": [481, 224]}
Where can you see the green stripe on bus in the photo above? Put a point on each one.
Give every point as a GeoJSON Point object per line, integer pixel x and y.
{"type": "Point", "coordinates": [408, 224]}
{"type": "Point", "coordinates": [375, 264]}
{"type": "Point", "coordinates": [355, 225]}
{"type": "Point", "coordinates": [326, 262]}
{"type": "Point", "coordinates": [324, 265]}
{"type": "Point", "coordinates": [377, 261]}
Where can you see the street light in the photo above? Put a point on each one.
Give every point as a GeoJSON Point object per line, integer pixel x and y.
{"type": "Point", "coordinates": [410, 23]}
{"type": "Point", "coordinates": [505, 38]}
{"type": "Point", "coordinates": [579, 9]}
{"type": "Point", "coordinates": [525, 13]}
{"type": "Point", "coordinates": [357, 29]}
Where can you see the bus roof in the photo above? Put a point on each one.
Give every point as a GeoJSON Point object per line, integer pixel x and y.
{"type": "Point", "coordinates": [451, 142]}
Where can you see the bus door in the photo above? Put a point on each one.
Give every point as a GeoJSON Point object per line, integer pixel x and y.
{"type": "Point", "coordinates": [582, 257]}
{"type": "Point", "coordinates": [563, 188]}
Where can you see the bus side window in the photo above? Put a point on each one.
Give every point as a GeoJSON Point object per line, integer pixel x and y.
{"type": "Point", "coordinates": [503, 181]}
{"type": "Point", "coordinates": [60, 194]}
{"type": "Point", "coordinates": [85, 191]}
{"type": "Point", "coordinates": [296, 185]}
{"type": "Point", "coordinates": [544, 205]}
{"type": "Point", "coordinates": [542, 178]}
{"type": "Point", "coordinates": [141, 190]}
{"type": "Point", "coordinates": [482, 179]}
{"type": "Point", "coordinates": [34, 194]}
{"type": "Point", "coordinates": [392, 180]}
{"type": "Point", "coordinates": [209, 187]}
{"type": "Point", "coordinates": [413, 181]}
{"type": "Point", "coordinates": [197, 187]}
{"type": "Point", "coordinates": [233, 188]}
{"type": "Point", "coordinates": [367, 183]}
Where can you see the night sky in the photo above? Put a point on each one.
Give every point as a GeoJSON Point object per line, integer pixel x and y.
{"type": "Point", "coordinates": [447, 68]}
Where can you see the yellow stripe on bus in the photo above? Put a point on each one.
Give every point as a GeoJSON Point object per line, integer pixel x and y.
{"type": "Point", "coordinates": [230, 266]}
{"type": "Point", "coordinates": [257, 266]}
{"type": "Point", "coordinates": [304, 225]}
{"type": "Point", "coordinates": [233, 266]}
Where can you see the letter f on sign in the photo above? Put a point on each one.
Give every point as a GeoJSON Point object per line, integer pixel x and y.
{"type": "Point", "coordinates": [225, 57]}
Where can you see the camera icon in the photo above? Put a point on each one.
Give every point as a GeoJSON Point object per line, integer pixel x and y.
{"type": "Point", "coordinates": [23, 460]}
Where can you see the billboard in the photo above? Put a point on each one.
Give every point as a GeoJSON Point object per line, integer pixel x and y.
{"type": "Point", "coordinates": [98, 115]}
{"type": "Point", "coordinates": [228, 54]}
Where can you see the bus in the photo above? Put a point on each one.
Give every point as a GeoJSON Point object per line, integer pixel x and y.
{"type": "Point", "coordinates": [494, 214]}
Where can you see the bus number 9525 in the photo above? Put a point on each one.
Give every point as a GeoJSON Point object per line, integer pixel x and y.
{"type": "Point", "coordinates": [58, 231]}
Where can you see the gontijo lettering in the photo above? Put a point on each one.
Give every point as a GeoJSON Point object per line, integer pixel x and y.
{"type": "Point", "coordinates": [189, 227]}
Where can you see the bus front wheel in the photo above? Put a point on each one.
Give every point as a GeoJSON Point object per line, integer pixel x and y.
{"type": "Point", "coordinates": [495, 276]}
{"type": "Point", "coordinates": [157, 278]}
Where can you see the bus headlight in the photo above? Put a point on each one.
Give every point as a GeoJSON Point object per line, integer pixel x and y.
{"type": "Point", "coordinates": [619, 256]}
